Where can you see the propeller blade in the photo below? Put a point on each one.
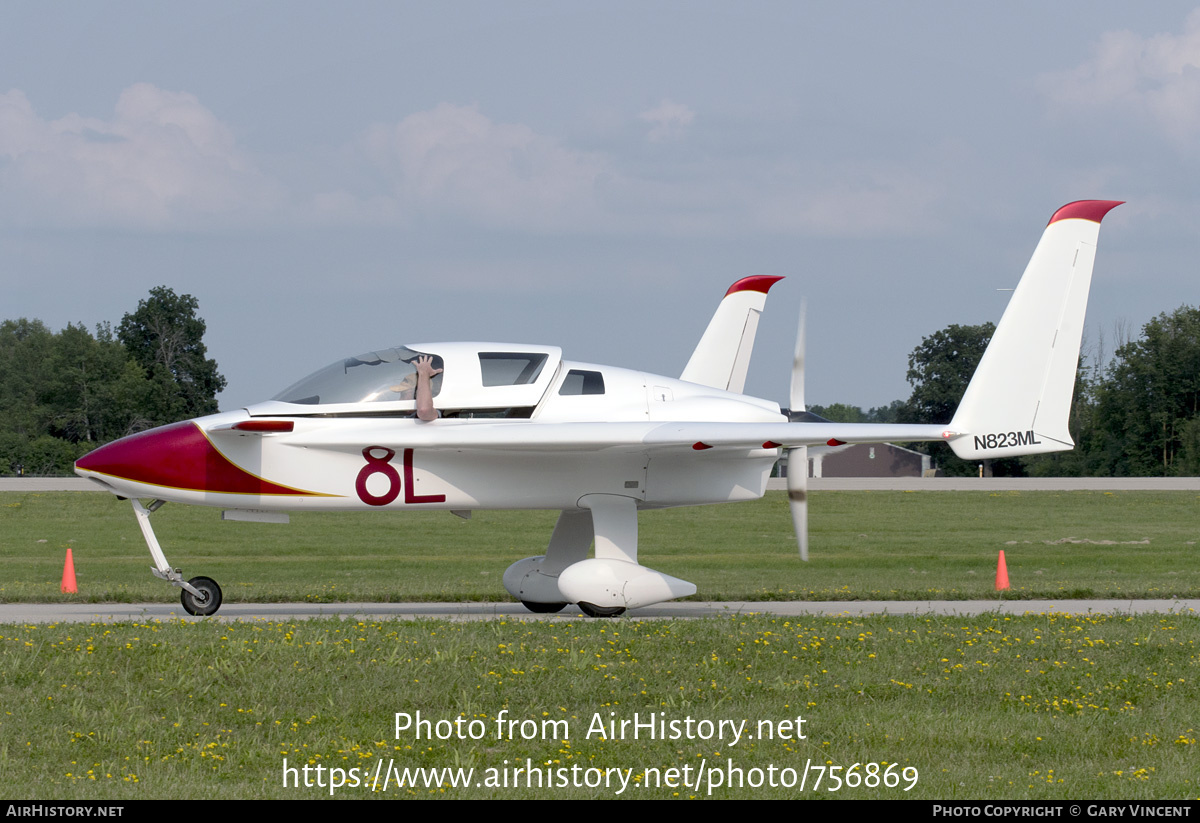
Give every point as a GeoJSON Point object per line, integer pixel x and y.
{"type": "Point", "coordinates": [797, 391]}
{"type": "Point", "coordinates": [797, 487]}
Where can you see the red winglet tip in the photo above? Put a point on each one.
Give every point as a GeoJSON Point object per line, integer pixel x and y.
{"type": "Point", "coordinates": [1093, 210]}
{"type": "Point", "coordinates": [758, 282]}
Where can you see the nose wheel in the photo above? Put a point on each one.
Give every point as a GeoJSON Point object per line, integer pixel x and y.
{"type": "Point", "coordinates": [209, 600]}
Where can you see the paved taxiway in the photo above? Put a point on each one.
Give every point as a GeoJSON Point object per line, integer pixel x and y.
{"type": "Point", "coordinates": [142, 612]}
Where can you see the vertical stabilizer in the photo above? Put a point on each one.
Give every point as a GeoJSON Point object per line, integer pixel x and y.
{"type": "Point", "coordinates": [722, 356]}
{"type": "Point", "coordinates": [1019, 399]}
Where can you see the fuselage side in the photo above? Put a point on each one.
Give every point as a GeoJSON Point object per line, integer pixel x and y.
{"type": "Point", "coordinates": [364, 455]}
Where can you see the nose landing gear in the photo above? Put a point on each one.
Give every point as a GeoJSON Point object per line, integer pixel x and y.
{"type": "Point", "coordinates": [201, 596]}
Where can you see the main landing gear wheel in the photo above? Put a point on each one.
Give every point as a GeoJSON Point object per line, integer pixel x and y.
{"type": "Point", "coordinates": [543, 608]}
{"type": "Point", "coordinates": [206, 606]}
{"type": "Point", "coordinates": [592, 610]}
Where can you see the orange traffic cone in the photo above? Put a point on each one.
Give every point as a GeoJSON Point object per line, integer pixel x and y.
{"type": "Point", "coordinates": [1001, 573]}
{"type": "Point", "coordinates": [68, 581]}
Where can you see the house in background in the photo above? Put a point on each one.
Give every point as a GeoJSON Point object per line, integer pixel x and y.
{"type": "Point", "coordinates": [865, 460]}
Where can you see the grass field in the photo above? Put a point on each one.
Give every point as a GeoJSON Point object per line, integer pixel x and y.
{"type": "Point", "coordinates": [986, 708]}
{"type": "Point", "coordinates": [865, 545]}
{"type": "Point", "coordinates": [991, 707]}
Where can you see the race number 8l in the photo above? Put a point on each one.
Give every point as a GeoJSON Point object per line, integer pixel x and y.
{"type": "Point", "coordinates": [378, 465]}
{"type": "Point", "coordinates": [383, 465]}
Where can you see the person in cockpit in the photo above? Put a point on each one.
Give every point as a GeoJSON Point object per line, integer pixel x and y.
{"type": "Point", "coordinates": [425, 375]}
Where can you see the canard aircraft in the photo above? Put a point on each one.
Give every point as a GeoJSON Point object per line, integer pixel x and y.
{"type": "Point", "coordinates": [519, 427]}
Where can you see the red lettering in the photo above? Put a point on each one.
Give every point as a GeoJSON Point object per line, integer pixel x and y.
{"type": "Point", "coordinates": [379, 465]}
{"type": "Point", "coordinates": [382, 465]}
{"type": "Point", "coordinates": [409, 497]}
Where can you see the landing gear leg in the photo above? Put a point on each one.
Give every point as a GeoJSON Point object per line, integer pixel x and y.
{"type": "Point", "coordinates": [200, 595]}
{"type": "Point", "coordinates": [534, 580]}
{"type": "Point", "coordinates": [613, 581]}
{"type": "Point", "coordinates": [614, 520]}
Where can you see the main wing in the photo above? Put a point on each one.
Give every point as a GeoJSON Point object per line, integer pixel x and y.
{"type": "Point", "coordinates": [630, 437]}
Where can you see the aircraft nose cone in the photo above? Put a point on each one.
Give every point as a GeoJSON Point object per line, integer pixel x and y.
{"type": "Point", "coordinates": [171, 455]}
{"type": "Point", "coordinates": [178, 456]}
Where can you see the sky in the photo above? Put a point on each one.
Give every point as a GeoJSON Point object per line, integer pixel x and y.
{"type": "Point", "coordinates": [330, 179]}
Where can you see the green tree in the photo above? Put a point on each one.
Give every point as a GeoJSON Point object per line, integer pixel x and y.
{"type": "Point", "coordinates": [894, 412]}
{"type": "Point", "coordinates": [94, 391]}
{"type": "Point", "coordinates": [939, 370]}
{"type": "Point", "coordinates": [1151, 396]}
{"type": "Point", "coordinates": [25, 348]}
{"type": "Point", "coordinates": [941, 367]}
{"type": "Point", "coordinates": [845, 413]}
{"type": "Point", "coordinates": [63, 394]}
{"type": "Point", "coordinates": [840, 413]}
{"type": "Point", "coordinates": [165, 337]}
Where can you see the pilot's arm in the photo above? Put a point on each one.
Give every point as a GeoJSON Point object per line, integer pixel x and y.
{"type": "Point", "coordinates": [425, 374]}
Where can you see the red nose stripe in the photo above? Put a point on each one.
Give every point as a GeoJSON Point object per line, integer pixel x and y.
{"type": "Point", "coordinates": [178, 456]}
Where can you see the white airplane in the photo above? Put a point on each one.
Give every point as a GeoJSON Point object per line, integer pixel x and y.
{"type": "Point", "coordinates": [521, 428]}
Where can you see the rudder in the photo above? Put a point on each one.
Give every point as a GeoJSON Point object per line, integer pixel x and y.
{"type": "Point", "coordinates": [1019, 399]}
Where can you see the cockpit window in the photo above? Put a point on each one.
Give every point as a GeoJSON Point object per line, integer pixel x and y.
{"type": "Point", "coordinates": [580, 381]}
{"type": "Point", "coordinates": [376, 376]}
{"type": "Point", "coordinates": [510, 368]}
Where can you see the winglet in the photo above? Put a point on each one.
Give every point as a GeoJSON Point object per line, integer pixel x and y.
{"type": "Point", "coordinates": [1093, 210]}
{"type": "Point", "coordinates": [758, 282]}
{"type": "Point", "coordinates": [722, 356]}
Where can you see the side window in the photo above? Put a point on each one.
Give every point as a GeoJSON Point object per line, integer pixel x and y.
{"type": "Point", "coordinates": [579, 381]}
{"type": "Point", "coordinates": [510, 368]}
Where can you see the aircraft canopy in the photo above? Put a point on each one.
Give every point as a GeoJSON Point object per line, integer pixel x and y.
{"type": "Point", "coordinates": [373, 377]}
{"type": "Point", "coordinates": [474, 376]}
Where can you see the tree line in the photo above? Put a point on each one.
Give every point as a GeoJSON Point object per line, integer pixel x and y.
{"type": "Point", "coordinates": [64, 393]}
{"type": "Point", "coordinates": [1136, 415]}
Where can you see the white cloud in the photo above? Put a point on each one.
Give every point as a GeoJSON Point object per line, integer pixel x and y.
{"type": "Point", "coordinates": [162, 160]}
{"type": "Point", "coordinates": [455, 161]}
{"type": "Point", "coordinates": [1154, 78]}
{"type": "Point", "coordinates": [669, 121]}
